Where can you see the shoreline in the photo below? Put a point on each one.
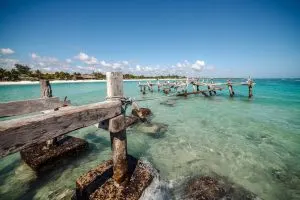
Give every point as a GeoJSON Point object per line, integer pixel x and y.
{"type": "Point", "coordinates": [74, 81]}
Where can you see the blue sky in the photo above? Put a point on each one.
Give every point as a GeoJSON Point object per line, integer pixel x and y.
{"type": "Point", "coordinates": [215, 38]}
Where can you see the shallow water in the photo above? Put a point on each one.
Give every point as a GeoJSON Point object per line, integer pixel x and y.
{"type": "Point", "coordinates": [254, 143]}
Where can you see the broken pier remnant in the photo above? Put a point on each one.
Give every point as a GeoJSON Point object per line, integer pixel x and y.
{"type": "Point", "coordinates": [118, 137]}
{"type": "Point", "coordinates": [122, 177]}
{"type": "Point", "coordinates": [231, 92]}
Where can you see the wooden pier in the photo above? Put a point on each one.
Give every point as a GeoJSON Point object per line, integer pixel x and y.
{"type": "Point", "coordinates": [123, 174]}
{"type": "Point", "coordinates": [181, 87]}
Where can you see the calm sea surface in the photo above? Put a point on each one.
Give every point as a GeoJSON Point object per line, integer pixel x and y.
{"type": "Point", "coordinates": [254, 143]}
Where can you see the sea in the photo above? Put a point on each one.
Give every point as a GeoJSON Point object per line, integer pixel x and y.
{"type": "Point", "coordinates": [254, 143]}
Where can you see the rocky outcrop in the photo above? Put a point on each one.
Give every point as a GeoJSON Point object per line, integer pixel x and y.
{"type": "Point", "coordinates": [142, 113]}
{"type": "Point", "coordinates": [211, 188]}
{"type": "Point", "coordinates": [98, 184]}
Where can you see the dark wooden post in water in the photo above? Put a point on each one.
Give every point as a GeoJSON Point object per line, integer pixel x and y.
{"type": "Point", "coordinates": [231, 92]}
{"type": "Point", "coordinates": [118, 139]}
{"type": "Point", "coordinates": [250, 88]}
{"type": "Point", "coordinates": [209, 90]}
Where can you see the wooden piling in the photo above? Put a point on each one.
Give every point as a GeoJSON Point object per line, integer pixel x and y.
{"type": "Point", "coordinates": [250, 89]}
{"type": "Point", "coordinates": [209, 90]}
{"type": "Point", "coordinates": [118, 139]}
{"type": "Point", "coordinates": [231, 92]}
{"type": "Point", "coordinates": [46, 92]}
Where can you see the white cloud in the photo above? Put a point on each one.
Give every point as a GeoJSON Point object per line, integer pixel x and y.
{"type": "Point", "coordinates": [91, 61]}
{"type": "Point", "coordinates": [68, 60]}
{"type": "Point", "coordinates": [87, 64]}
{"type": "Point", "coordinates": [198, 65]}
{"type": "Point", "coordinates": [125, 62]}
{"type": "Point", "coordinates": [105, 64]}
{"type": "Point", "coordinates": [6, 51]}
{"type": "Point", "coordinates": [138, 68]}
{"type": "Point", "coordinates": [8, 63]}
{"type": "Point", "coordinates": [82, 56]}
{"type": "Point", "coordinates": [34, 56]}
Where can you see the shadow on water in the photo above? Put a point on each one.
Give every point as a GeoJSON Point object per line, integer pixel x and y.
{"type": "Point", "coordinates": [54, 172]}
{"type": "Point", "coordinates": [7, 170]}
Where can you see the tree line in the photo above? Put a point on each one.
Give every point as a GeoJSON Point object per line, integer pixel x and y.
{"type": "Point", "coordinates": [25, 73]}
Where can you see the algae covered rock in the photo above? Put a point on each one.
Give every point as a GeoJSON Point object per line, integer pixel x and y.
{"type": "Point", "coordinates": [152, 128]}
{"type": "Point", "coordinates": [213, 188]}
{"type": "Point", "coordinates": [142, 113]}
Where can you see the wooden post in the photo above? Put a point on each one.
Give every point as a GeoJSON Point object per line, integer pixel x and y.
{"type": "Point", "coordinates": [231, 92]}
{"type": "Point", "coordinates": [118, 139]}
{"type": "Point", "coordinates": [250, 89]}
{"type": "Point", "coordinates": [158, 86]}
{"type": "Point", "coordinates": [144, 89]}
{"type": "Point", "coordinates": [46, 92]}
{"type": "Point", "coordinates": [208, 87]}
{"type": "Point", "coordinates": [194, 88]}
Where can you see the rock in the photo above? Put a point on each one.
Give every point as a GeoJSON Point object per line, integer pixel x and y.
{"type": "Point", "coordinates": [39, 158]}
{"type": "Point", "coordinates": [210, 188]}
{"type": "Point", "coordinates": [152, 128]}
{"type": "Point", "coordinates": [142, 113]}
{"type": "Point", "coordinates": [169, 102]}
{"type": "Point", "coordinates": [97, 184]}
{"type": "Point", "coordinates": [205, 188]}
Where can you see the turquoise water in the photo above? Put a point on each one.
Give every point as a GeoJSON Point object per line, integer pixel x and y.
{"type": "Point", "coordinates": [254, 143]}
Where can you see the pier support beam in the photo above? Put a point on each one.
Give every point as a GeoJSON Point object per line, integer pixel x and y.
{"type": "Point", "coordinates": [231, 92]}
{"type": "Point", "coordinates": [250, 89]}
{"type": "Point", "coordinates": [209, 90]}
{"type": "Point", "coordinates": [46, 92]}
{"type": "Point", "coordinates": [118, 139]}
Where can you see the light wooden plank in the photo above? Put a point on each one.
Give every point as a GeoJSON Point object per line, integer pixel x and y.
{"type": "Point", "coordinates": [28, 106]}
{"type": "Point", "coordinates": [117, 124]}
{"type": "Point", "coordinates": [19, 133]}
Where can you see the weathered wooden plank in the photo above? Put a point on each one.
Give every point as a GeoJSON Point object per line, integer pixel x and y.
{"type": "Point", "coordinates": [28, 106]}
{"type": "Point", "coordinates": [117, 124]}
{"type": "Point", "coordinates": [19, 133]}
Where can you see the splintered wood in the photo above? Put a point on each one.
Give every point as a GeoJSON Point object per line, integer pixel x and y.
{"type": "Point", "coordinates": [17, 134]}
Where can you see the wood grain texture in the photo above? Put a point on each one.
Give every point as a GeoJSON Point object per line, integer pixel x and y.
{"type": "Point", "coordinates": [28, 106]}
{"type": "Point", "coordinates": [114, 84]}
{"type": "Point", "coordinates": [118, 139]}
{"type": "Point", "coordinates": [117, 124]}
{"type": "Point", "coordinates": [46, 90]}
{"type": "Point", "coordinates": [17, 134]}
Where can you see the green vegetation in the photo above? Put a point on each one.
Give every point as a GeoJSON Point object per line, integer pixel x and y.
{"type": "Point", "coordinates": [24, 73]}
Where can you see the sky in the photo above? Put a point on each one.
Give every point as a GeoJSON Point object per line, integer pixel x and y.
{"type": "Point", "coordinates": [211, 38]}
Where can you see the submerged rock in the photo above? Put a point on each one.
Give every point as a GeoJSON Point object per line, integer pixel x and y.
{"type": "Point", "coordinates": [98, 184]}
{"type": "Point", "coordinates": [210, 188]}
{"type": "Point", "coordinates": [169, 102]}
{"type": "Point", "coordinates": [152, 128]}
{"type": "Point", "coordinates": [205, 188]}
{"type": "Point", "coordinates": [142, 113]}
{"type": "Point", "coordinates": [41, 159]}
